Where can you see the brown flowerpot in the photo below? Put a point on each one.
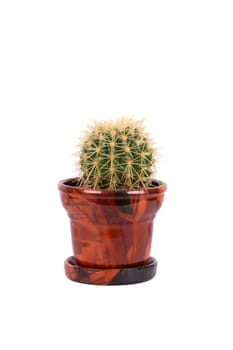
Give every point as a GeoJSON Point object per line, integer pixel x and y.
{"type": "Point", "coordinates": [111, 233]}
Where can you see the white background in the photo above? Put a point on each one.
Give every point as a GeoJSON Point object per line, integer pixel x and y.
{"type": "Point", "coordinates": [64, 63]}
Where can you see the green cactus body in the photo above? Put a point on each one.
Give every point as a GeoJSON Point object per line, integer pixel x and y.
{"type": "Point", "coordinates": [116, 154]}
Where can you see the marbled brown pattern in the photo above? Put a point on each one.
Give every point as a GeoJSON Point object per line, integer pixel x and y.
{"type": "Point", "coordinates": [111, 229]}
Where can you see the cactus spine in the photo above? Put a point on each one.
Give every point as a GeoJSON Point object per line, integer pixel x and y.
{"type": "Point", "coordinates": [116, 154]}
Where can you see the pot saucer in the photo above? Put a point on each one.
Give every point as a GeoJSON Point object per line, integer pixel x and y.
{"type": "Point", "coordinates": [109, 276]}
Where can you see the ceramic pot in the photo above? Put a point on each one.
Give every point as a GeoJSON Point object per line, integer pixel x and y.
{"type": "Point", "coordinates": [111, 230]}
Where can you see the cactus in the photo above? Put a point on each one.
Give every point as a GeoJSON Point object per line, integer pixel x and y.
{"type": "Point", "coordinates": [116, 154]}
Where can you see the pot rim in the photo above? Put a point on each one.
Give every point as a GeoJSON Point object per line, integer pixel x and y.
{"type": "Point", "coordinates": [63, 187]}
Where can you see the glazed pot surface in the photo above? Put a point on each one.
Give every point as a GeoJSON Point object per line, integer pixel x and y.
{"type": "Point", "coordinates": [111, 228]}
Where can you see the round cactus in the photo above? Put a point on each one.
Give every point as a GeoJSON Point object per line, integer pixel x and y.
{"type": "Point", "coordinates": [116, 154]}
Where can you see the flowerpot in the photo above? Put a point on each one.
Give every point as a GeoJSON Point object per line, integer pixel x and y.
{"type": "Point", "coordinates": [111, 232]}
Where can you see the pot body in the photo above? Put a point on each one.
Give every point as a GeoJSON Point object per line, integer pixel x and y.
{"type": "Point", "coordinates": [111, 228]}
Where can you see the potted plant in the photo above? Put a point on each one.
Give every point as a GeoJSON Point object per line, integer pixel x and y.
{"type": "Point", "coordinates": [112, 204]}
